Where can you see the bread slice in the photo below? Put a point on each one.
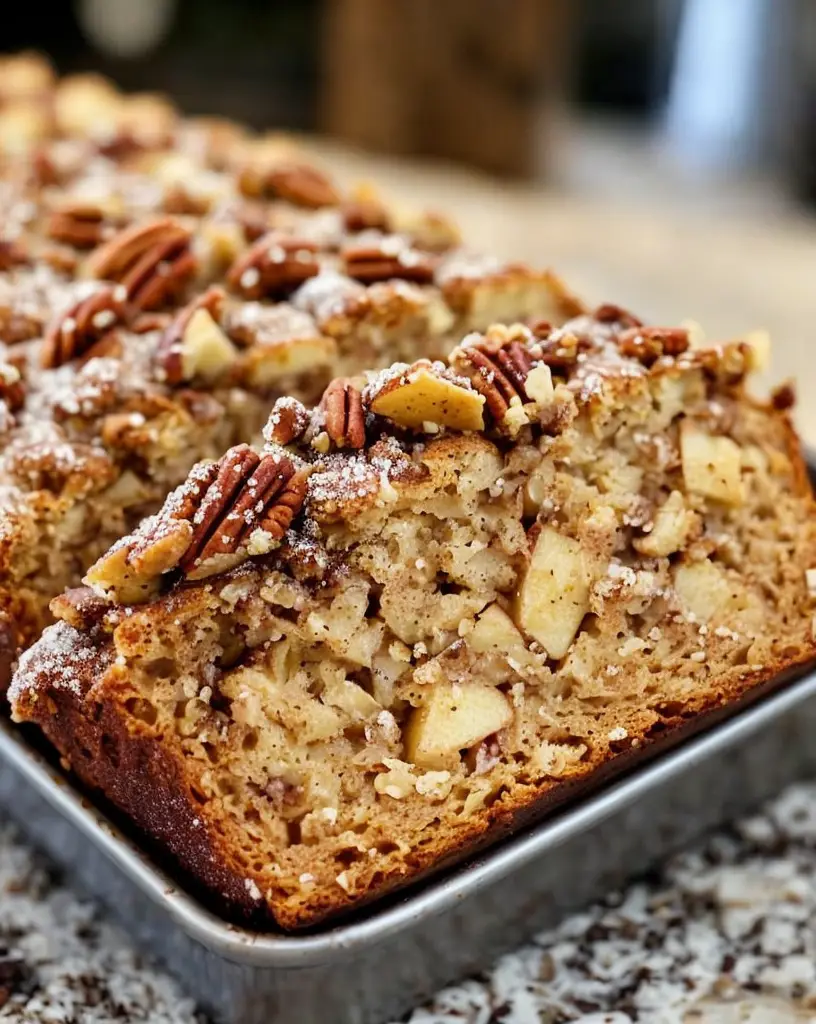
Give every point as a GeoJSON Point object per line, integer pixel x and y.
{"type": "Point", "coordinates": [452, 595]}
{"type": "Point", "coordinates": [162, 281]}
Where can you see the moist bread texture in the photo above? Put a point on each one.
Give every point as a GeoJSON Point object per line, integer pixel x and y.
{"type": "Point", "coordinates": [447, 597]}
{"type": "Point", "coordinates": [162, 281]}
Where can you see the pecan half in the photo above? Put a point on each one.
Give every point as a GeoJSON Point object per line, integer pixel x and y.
{"type": "Point", "coordinates": [72, 333]}
{"type": "Point", "coordinates": [152, 260]}
{"type": "Point", "coordinates": [275, 265]}
{"type": "Point", "coordinates": [648, 344]}
{"type": "Point", "coordinates": [299, 184]}
{"type": "Point", "coordinates": [342, 405]}
{"type": "Point", "coordinates": [169, 349]}
{"type": "Point", "coordinates": [390, 258]}
{"type": "Point", "coordinates": [79, 224]}
{"type": "Point", "coordinates": [248, 493]}
{"type": "Point", "coordinates": [287, 422]}
{"type": "Point", "coordinates": [497, 372]}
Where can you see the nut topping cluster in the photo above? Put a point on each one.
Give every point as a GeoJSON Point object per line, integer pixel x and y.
{"type": "Point", "coordinates": [224, 513]}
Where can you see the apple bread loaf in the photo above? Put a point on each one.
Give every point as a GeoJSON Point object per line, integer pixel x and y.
{"type": "Point", "coordinates": [162, 281]}
{"type": "Point", "coordinates": [444, 599]}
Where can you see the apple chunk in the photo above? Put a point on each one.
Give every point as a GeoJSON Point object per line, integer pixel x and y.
{"type": "Point", "coordinates": [424, 397]}
{"type": "Point", "coordinates": [205, 350]}
{"type": "Point", "coordinates": [711, 465]}
{"type": "Point", "coordinates": [453, 719]}
{"type": "Point", "coordinates": [554, 594]}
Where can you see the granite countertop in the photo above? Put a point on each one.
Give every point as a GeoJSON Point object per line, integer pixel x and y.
{"type": "Point", "coordinates": [721, 934]}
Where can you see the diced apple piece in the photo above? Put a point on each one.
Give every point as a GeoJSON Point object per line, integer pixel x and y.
{"type": "Point", "coordinates": [495, 633]}
{"type": "Point", "coordinates": [424, 397]}
{"type": "Point", "coordinates": [452, 719]}
{"type": "Point", "coordinates": [206, 351]}
{"type": "Point", "coordinates": [711, 465]}
{"type": "Point", "coordinates": [268, 363]}
{"type": "Point", "coordinates": [554, 594]}
{"type": "Point", "coordinates": [705, 591]}
{"type": "Point", "coordinates": [673, 525]}
{"type": "Point", "coordinates": [539, 385]}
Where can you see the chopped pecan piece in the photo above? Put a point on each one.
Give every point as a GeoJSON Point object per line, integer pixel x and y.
{"type": "Point", "coordinates": [80, 607]}
{"type": "Point", "coordinates": [224, 513]}
{"type": "Point", "coordinates": [783, 397]}
{"type": "Point", "coordinates": [287, 422]}
{"type": "Point", "coordinates": [152, 260]}
{"type": "Point", "coordinates": [74, 332]}
{"type": "Point", "coordinates": [561, 352]}
{"type": "Point", "coordinates": [342, 405]}
{"type": "Point", "coordinates": [275, 265]}
{"type": "Point", "coordinates": [648, 344]}
{"type": "Point", "coordinates": [390, 258]}
{"type": "Point", "coordinates": [609, 313]}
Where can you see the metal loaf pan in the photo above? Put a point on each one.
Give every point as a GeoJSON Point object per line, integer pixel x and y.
{"type": "Point", "coordinates": [373, 968]}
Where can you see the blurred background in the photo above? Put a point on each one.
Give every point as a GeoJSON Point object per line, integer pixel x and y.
{"type": "Point", "coordinates": [661, 152]}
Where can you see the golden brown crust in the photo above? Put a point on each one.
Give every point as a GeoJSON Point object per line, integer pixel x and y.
{"type": "Point", "coordinates": [124, 759]}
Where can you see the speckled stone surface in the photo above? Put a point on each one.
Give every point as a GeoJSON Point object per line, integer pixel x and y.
{"type": "Point", "coordinates": [724, 933]}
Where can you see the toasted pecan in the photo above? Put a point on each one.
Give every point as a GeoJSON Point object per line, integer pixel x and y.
{"type": "Point", "coordinates": [298, 183]}
{"type": "Point", "coordinates": [248, 493]}
{"type": "Point", "coordinates": [224, 513]}
{"type": "Point", "coordinates": [275, 265]}
{"type": "Point", "coordinates": [387, 259]}
{"type": "Point", "coordinates": [342, 405]}
{"type": "Point", "coordinates": [72, 333]}
{"type": "Point", "coordinates": [648, 344]}
{"type": "Point", "coordinates": [153, 260]}
{"type": "Point", "coordinates": [365, 215]}
{"type": "Point", "coordinates": [497, 372]}
{"type": "Point", "coordinates": [287, 422]}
